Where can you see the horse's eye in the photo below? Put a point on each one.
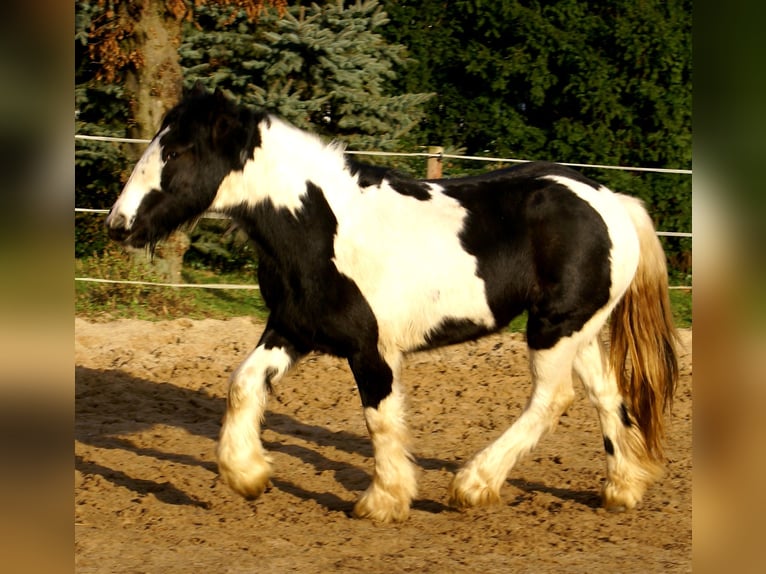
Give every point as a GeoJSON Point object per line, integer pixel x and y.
{"type": "Point", "coordinates": [170, 153]}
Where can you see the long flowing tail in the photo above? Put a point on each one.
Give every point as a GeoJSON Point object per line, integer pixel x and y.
{"type": "Point", "coordinates": [643, 337]}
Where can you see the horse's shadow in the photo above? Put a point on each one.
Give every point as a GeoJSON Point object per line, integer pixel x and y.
{"type": "Point", "coordinates": [587, 498]}
{"type": "Point", "coordinates": [124, 404]}
{"type": "Point", "coordinates": [140, 404]}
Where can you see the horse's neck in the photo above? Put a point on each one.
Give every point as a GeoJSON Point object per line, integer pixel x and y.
{"type": "Point", "coordinates": [291, 171]}
{"type": "Point", "coordinates": [290, 158]}
{"type": "Point", "coordinates": [282, 165]}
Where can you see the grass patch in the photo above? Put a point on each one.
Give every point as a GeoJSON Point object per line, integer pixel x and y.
{"type": "Point", "coordinates": [681, 304]}
{"type": "Point", "coordinates": [108, 301]}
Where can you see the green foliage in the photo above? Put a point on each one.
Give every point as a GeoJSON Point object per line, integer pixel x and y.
{"type": "Point", "coordinates": [115, 298]}
{"type": "Point", "coordinates": [106, 301]}
{"type": "Point", "coordinates": [569, 81]}
{"type": "Point", "coordinates": [681, 306]}
{"type": "Point", "coordinates": [100, 167]}
{"type": "Point", "coordinates": [219, 246]}
{"type": "Point", "coordinates": [100, 110]}
{"type": "Point", "coordinates": [324, 68]}
{"type": "Point", "coordinates": [566, 80]}
{"type": "Point", "coordinates": [578, 81]}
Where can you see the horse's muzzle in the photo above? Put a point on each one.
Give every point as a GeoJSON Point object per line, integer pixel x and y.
{"type": "Point", "coordinates": [116, 227]}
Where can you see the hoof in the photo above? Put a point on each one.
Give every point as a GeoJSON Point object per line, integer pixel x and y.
{"type": "Point", "coordinates": [381, 507]}
{"type": "Point", "coordinates": [616, 499]}
{"type": "Point", "coordinates": [250, 483]}
{"type": "Point", "coordinates": [468, 491]}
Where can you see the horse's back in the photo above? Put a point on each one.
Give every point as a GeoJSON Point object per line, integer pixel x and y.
{"type": "Point", "coordinates": [542, 235]}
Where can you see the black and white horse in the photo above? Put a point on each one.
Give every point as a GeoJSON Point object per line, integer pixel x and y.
{"type": "Point", "coordinates": [368, 264]}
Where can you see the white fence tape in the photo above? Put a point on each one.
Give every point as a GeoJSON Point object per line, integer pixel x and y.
{"type": "Point", "coordinates": [371, 153]}
{"type": "Point", "coordinates": [223, 285]}
{"type": "Point", "coordinates": [156, 284]}
{"type": "Point", "coordinates": [434, 155]}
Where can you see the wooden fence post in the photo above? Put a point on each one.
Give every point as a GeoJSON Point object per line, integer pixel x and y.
{"type": "Point", "coordinates": [434, 164]}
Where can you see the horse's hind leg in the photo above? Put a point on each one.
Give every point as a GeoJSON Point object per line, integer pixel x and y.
{"type": "Point", "coordinates": [629, 468]}
{"type": "Point", "coordinates": [479, 481]}
{"type": "Point", "coordinates": [242, 461]}
{"type": "Point", "coordinates": [394, 483]}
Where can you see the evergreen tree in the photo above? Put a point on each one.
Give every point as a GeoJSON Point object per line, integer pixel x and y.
{"type": "Point", "coordinates": [323, 68]}
{"type": "Point", "coordinates": [575, 80]}
{"type": "Point", "coordinates": [127, 60]}
{"type": "Point", "coordinates": [101, 110]}
{"type": "Point", "coordinates": [568, 80]}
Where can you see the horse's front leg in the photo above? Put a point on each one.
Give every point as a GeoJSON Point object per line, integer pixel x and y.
{"type": "Point", "coordinates": [243, 463]}
{"type": "Point", "coordinates": [394, 483]}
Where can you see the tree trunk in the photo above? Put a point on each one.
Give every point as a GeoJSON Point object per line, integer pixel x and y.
{"type": "Point", "coordinates": [154, 86]}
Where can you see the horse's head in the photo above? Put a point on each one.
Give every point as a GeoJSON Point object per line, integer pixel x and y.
{"type": "Point", "coordinates": [201, 140]}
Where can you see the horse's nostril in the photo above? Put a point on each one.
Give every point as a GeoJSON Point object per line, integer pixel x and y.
{"type": "Point", "coordinates": [116, 226]}
{"type": "Point", "coordinates": [116, 221]}
{"type": "Point", "coordinates": [117, 233]}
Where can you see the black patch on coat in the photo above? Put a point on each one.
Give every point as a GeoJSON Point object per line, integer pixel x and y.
{"type": "Point", "coordinates": [313, 305]}
{"type": "Point", "coordinates": [373, 377]}
{"type": "Point", "coordinates": [539, 248]}
{"type": "Point", "coordinates": [271, 339]}
{"type": "Point", "coordinates": [452, 331]}
{"type": "Point", "coordinates": [608, 446]}
{"type": "Point", "coordinates": [373, 175]}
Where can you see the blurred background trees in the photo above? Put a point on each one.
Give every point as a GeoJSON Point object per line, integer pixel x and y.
{"type": "Point", "coordinates": [568, 80]}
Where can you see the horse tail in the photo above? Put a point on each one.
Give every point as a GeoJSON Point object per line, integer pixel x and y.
{"type": "Point", "coordinates": [643, 338]}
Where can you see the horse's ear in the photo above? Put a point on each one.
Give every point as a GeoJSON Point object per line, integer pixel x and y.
{"type": "Point", "coordinates": [220, 95]}
{"type": "Point", "coordinates": [227, 130]}
{"type": "Point", "coordinates": [198, 89]}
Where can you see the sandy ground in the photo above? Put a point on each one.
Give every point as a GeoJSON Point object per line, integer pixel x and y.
{"type": "Point", "coordinates": [149, 401]}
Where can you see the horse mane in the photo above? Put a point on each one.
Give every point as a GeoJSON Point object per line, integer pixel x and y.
{"type": "Point", "coordinates": [368, 174]}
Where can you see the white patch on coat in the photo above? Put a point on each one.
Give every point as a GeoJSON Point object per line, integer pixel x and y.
{"type": "Point", "coordinates": [146, 176]}
{"type": "Point", "coordinates": [242, 461]}
{"type": "Point", "coordinates": [394, 483]}
{"type": "Point", "coordinates": [404, 254]}
{"type": "Point", "coordinates": [406, 257]}
{"type": "Point", "coordinates": [280, 167]}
